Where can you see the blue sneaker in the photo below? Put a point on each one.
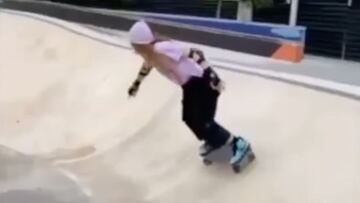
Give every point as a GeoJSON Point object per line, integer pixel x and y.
{"type": "Point", "coordinates": [240, 149]}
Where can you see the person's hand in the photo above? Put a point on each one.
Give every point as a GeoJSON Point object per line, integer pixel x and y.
{"type": "Point", "coordinates": [215, 82]}
{"type": "Point", "coordinates": [132, 91]}
{"type": "Point", "coordinates": [220, 86]}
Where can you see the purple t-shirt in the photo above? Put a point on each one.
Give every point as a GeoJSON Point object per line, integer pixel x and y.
{"type": "Point", "coordinates": [183, 67]}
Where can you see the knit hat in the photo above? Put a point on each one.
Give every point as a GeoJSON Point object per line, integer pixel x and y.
{"type": "Point", "coordinates": [140, 33]}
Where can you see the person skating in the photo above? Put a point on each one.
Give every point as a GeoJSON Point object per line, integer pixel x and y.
{"type": "Point", "coordinates": [201, 87]}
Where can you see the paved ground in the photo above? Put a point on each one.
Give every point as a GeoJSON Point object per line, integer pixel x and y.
{"type": "Point", "coordinates": [69, 134]}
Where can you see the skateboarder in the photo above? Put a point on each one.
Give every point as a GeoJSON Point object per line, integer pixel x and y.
{"type": "Point", "coordinates": [201, 87]}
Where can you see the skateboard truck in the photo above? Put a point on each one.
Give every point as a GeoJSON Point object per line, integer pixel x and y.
{"type": "Point", "coordinates": [249, 156]}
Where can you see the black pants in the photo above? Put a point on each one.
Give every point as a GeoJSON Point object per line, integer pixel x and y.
{"type": "Point", "coordinates": [199, 108]}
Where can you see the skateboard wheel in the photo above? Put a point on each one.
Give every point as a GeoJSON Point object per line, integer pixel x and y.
{"type": "Point", "coordinates": [207, 162]}
{"type": "Point", "coordinates": [251, 157]}
{"type": "Point", "coordinates": [236, 168]}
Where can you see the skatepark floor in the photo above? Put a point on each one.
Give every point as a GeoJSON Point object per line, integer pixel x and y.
{"type": "Point", "coordinates": [70, 134]}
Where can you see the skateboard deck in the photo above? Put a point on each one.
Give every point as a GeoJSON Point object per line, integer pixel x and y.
{"type": "Point", "coordinates": [223, 156]}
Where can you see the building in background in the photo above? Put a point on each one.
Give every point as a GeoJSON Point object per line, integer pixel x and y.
{"type": "Point", "coordinates": [333, 26]}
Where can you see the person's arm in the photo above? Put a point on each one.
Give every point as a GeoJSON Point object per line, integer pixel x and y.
{"type": "Point", "coordinates": [144, 71]}
{"type": "Point", "coordinates": [199, 57]}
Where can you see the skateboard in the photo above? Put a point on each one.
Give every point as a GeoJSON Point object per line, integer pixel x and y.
{"type": "Point", "coordinates": [223, 155]}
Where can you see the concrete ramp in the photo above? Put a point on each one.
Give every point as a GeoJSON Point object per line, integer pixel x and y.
{"type": "Point", "coordinates": [64, 106]}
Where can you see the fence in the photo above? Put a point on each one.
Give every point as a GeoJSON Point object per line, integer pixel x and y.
{"type": "Point", "coordinates": [333, 28]}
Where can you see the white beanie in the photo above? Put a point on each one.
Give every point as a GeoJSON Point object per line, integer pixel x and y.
{"type": "Point", "coordinates": [140, 33]}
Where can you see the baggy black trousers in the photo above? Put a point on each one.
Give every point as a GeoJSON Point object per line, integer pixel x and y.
{"type": "Point", "coordinates": [199, 109]}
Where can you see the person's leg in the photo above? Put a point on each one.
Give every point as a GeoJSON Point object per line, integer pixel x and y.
{"type": "Point", "coordinates": [190, 107]}
{"type": "Point", "coordinates": [215, 135]}
{"type": "Point", "coordinates": [199, 108]}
